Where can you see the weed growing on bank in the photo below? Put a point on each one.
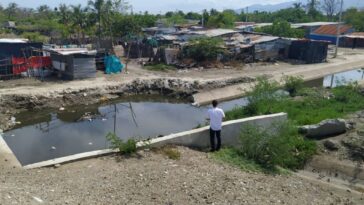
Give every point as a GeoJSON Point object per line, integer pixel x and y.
{"type": "Point", "coordinates": [160, 67]}
{"type": "Point", "coordinates": [233, 157]}
{"type": "Point", "coordinates": [169, 151]}
{"type": "Point", "coordinates": [311, 105]}
{"type": "Point", "coordinates": [269, 149]}
{"type": "Point", "coordinates": [278, 145]}
{"type": "Point", "coordinates": [128, 147]}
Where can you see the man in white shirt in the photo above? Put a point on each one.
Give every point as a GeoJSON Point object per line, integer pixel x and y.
{"type": "Point", "coordinates": [215, 115]}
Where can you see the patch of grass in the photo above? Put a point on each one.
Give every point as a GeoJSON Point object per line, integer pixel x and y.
{"type": "Point", "coordinates": [169, 151]}
{"type": "Point", "coordinates": [160, 67]}
{"type": "Point", "coordinates": [279, 145]}
{"type": "Point", "coordinates": [235, 158]}
{"type": "Point", "coordinates": [293, 84]}
{"type": "Point", "coordinates": [128, 147]}
{"type": "Point", "coordinates": [312, 108]}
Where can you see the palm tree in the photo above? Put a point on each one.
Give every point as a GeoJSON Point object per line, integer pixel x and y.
{"type": "Point", "coordinates": [97, 7]}
{"type": "Point", "coordinates": [64, 14]}
{"type": "Point", "coordinates": [79, 20]}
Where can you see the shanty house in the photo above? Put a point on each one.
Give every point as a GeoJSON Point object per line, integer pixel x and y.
{"type": "Point", "coordinates": [353, 40]}
{"type": "Point", "coordinates": [74, 63]}
{"type": "Point", "coordinates": [309, 51]}
{"type": "Point", "coordinates": [329, 32]}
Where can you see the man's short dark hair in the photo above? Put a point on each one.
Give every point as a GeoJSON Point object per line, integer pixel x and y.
{"type": "Point", "coordinates": [214, 103]}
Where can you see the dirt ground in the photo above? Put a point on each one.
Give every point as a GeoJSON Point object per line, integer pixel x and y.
{"type": "Point", "coordinates": [152, 178]}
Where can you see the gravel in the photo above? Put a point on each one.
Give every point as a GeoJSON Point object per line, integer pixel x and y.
{"type": "Point", "coordinates": [151, 178]}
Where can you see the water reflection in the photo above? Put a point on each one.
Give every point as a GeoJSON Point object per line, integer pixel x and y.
{"type": "Point", "coordinates": [61, 133]}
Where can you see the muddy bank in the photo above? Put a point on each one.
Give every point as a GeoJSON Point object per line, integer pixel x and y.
{"type": "Point", "coordinates": [10, 104]}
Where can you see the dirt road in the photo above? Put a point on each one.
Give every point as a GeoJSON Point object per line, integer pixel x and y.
{"type": "Point", "coordinates": [154, 179]}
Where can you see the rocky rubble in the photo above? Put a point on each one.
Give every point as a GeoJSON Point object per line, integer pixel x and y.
{"type": "Point", "coordinates": [324, 129]}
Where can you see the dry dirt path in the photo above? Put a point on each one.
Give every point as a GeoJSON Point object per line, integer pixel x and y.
{"type": "Point", "coordinates": [154, 179]}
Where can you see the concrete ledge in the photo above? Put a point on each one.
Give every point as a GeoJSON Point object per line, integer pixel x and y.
{"type": "Point", "coordinates": [197, 138]}
{"type": "Point", "coordinates": [7, 155]}
{"type": "Point", "coordinates": [70, 158]}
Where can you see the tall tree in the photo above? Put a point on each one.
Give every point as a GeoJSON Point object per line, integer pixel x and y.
{"type": "Point", "coordinates": [64, 14]}
{"type": "Point", "coordinates": [312, 8]}
{"type": "Point", "coordinates": [11, 10]}
{"type": "Point", "coordinates": [330, 7]}
{"type": "Point", "coordinates": [80, 21]}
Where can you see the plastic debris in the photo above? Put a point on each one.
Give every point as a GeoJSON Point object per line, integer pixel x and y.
{"type": "Point", "coordinates": [37, 199]}
{"type": "Point", "coordinates": [53, 148]}
{"type": "Point", "coordinates": [61, 108]}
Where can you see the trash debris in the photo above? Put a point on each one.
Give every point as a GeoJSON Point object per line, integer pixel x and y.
{"type": "Point", "coordinates": [61, 108]}
{"type": "Point", "coordinates": [53, 148]}
{"type": "Point", "coordinates": [37, 199]}
{"type": "Point", "coordinates": [104, 119]}
{"type": "Point", "coordinates": [90, 143]}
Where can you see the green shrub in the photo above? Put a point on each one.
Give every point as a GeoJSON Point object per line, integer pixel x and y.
{"type": "Point", "coordinates": [204, 48]}
{"type": "Point", "coordinates": [293, 84]}
{"type": "Point", "coordinates": [128, 147]}
{"type": "Point", "coordinates": [278, 145]}
{"type": "Point", "coordinates": [259, 100]}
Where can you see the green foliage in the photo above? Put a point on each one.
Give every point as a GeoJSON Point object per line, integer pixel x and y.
{"type": "Point", "coordinates": [160, 67]}
{"type": "Point", "coordinates": [234, 157]}
{"type": "Point", "coordinates": [128, 147]}
{"type": "Point", "coordinates": [35, 37]}
{"type": "Point", "coordinates": [278, 145]}
{"type": "Point", "coordinates": [311, 108]}
{"type": "Point", "coordinates": [293, 84]}
{"type": "Point", "coordinates": [262, 93]}
{"type": "Point", "coordinates": [224, 19]}
{"type": "Point", "coordinates": [204, 48]}
{"type": "Point", "coordinates": [355, 17]}
{"type": "Point", "coordinates": [176, 19]}
{"type": "Point", "coordinates": [282, 29]}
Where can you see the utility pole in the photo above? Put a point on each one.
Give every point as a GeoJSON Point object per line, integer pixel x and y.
{"type": "Point", "coordinates": [339, 28]}
{"type": "Point", "coordinates": [246, 15]}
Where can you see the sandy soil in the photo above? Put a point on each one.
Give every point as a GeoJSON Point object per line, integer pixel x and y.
{"type": "Point", "coordinates": [152, 178]}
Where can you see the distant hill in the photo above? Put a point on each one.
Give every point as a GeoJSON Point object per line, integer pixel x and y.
{"type": "Point", "coordinates": [288, 4]}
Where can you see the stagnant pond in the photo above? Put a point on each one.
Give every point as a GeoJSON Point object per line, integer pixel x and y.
{"type": "Point", "coordinates": [51, 134]}
{"type": "Point", "coordinates": [337, 79]}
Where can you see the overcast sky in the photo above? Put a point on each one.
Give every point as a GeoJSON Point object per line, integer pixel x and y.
{"type": "Point", "coordinates": [156, 6]}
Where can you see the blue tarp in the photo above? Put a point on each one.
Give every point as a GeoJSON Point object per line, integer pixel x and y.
{"type": "Point", "coordinates": [112, 64]}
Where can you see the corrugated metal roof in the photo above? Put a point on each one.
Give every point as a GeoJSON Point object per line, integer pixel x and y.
{"type": "Point", "coordinates": [332, 29]}
{"type": "Point", "coordinates": [300, 25]}
{"type": "Point", "coordinates": [356, 35]}
{"type": "Point", "coordinates": [13, 40]}
{"type": "Point", "coordinates": [214, 32]}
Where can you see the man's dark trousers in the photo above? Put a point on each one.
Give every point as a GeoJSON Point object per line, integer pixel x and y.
{"type": "Point", "coordinates": [214, 133]}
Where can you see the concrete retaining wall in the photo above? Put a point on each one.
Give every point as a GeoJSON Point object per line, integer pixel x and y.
{"type": "Point", "coordinates": [200, 138]}
{"type": "Point", "coordinates": [197, 138]}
